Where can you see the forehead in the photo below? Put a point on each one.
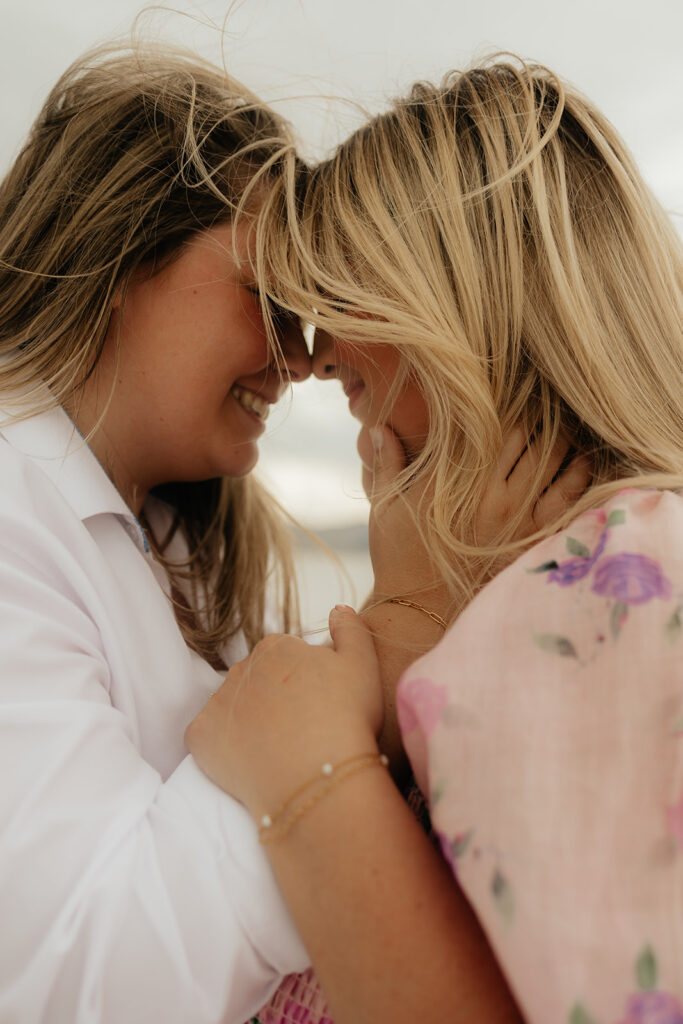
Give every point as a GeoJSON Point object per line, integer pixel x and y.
{"type": "Point", "coordinates": [223, 252]}
{"type": "Point", "coordinates": [234, 241]}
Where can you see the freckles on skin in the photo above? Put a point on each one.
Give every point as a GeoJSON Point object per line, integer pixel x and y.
{"type": "Point", "coordinates": [194, 373]}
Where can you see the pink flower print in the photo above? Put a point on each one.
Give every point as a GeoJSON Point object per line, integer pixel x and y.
{"type": "Point", "coordinates": [420, 702]}
{"type": "Point", "coordinates": [653, 1008]}
{"type": "Point", "coordinates": [630, 579]}
{"type": "Point", "coordinates": [447, 852]}
{"type": "Point", "coordinates": [674, 817]}
{"type": "Point", "coordinates": [453, 849]}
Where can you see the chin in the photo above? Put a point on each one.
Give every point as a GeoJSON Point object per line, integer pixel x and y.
{"type": "Point", "coordinates": [241, 467]}
{"type": "Point", "coordinates": [236, 465]}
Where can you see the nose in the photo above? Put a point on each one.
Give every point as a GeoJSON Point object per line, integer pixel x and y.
{"type": "Point", "coordinates": [324, 358]}
{"type": "Point", "coordinates": [295, 357]}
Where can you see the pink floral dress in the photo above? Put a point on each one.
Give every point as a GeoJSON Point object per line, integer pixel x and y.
{"type": "Point", "coordinates": [546, 730]}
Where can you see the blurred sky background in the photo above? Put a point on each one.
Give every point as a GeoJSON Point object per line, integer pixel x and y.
{"type": "Point", "coordinates": [323, 63]}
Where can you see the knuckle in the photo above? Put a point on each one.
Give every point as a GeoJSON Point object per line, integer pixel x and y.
{"type": "Point", "coordinates": [270, 643]}
{"type": "Point", "coordinates": [267, 643]}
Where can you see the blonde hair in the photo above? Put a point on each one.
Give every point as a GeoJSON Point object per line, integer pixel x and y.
{"type": "Point", "coordinates": [496, 231]}
{"type": "Point", "coordinates": [134, 151]}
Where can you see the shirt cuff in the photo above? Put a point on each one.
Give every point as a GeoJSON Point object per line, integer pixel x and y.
{"type": "Point", "coordinates": [257, 901]}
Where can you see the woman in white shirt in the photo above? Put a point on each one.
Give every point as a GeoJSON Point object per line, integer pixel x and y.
{"type": "Point", "coordinates": [136, 373]}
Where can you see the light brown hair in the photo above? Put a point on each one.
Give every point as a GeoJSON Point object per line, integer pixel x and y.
{"type": "Point", "coordinates": [496, 231]}
{"type": "Point", "coordinates": [133, 152]}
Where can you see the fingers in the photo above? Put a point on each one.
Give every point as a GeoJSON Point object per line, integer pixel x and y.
{"type": "Point", "coordinates": [514, 447]}
{"type": "Point", "coordinates": [521, 476]}
{"type": "Point", "coordinates": [515, 484]}
{"type": "Point", "coordinates": [564, 492]}
{"type": "Point", "coordinates": [350, 635]}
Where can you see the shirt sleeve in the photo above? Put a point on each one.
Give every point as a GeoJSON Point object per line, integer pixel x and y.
{"type": "Point", "coordinates": [123, 898]}
{"type": "Point", "coordinates": [547, 731]}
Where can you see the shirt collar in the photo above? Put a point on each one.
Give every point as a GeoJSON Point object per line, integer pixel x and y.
{"type": "Point", "coordinates": [53, 443]}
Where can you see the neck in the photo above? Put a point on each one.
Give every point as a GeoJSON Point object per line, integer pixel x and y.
{"type": "Point", "coordinates": [92, 424]}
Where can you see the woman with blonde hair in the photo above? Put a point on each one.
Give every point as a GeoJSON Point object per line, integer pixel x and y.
{"type": "Point", "coordinates": [136, 373]}
{"type": "Point", "coordinates": [483, 261]}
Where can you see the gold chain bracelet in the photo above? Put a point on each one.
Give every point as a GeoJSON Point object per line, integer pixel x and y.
{"type": "Point", "coordinates": [278, 823]}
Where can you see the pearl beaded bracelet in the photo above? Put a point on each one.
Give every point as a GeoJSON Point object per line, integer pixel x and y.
{"type": "Point", "coordinates": [278, 823]}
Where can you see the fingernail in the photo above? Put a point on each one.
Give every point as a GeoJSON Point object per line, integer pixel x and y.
{"type": "Point", "coordinates": [377, 438]}
{"type": "Point", "coordinates": [343, 608]}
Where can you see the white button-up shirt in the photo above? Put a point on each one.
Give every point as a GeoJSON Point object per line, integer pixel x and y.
{"type": "Point", "coordinates": [131, 888]}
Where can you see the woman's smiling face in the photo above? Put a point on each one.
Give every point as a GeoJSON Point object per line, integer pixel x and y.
{"type": "Point", "coordinates": [367, 373]}
{"type": "Point", "coordinates": [195, 376]}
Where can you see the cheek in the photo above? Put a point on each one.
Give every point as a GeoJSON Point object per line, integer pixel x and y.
{"type": "Point", "coordinates": [410, 417]}
{"type": "Point", "coordinates": [379, 365]}
{"type": "Point", "coordinates": [246, 334]}
{"type": "Point", "coordinates": [238, 348]}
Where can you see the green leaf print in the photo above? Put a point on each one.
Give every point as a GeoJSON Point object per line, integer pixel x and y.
{"type": "Point", "coordinates": [580, 1015]}
{"type": "Point", "coordinates": [438, 790]}
{"type": "Point", "coordinates": [617, 618]}
{"type": "Point", "coordinates": [575, 547]}
{"type": "Point", "coordinates": [503, 896]}
{"type": "Point", "coordinates": [672, 629]}
{"type": "Point", "coordinates": [617, 517]}
{"type": "Point", "coordinates": [460, 843]}
{"type": "Point", "coordinates": [646, 969]}
{"type": "Point", "coordinates": [555, 644]}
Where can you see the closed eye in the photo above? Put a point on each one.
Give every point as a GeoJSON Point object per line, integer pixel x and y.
{"type": "Point", "coordinates": [277, 313]}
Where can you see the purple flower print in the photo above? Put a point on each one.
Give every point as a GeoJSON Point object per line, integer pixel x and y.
{"type": "Point", "coordinates": [630, 579]}
{"type": "Point", "coordinates": [574, 569]}
{"type": "Point", "coordinates": [653, 1008]}
{"type": "Point", "coordinates": [570, 571]}
{"type": "Point", "coordinates": [420, 702]}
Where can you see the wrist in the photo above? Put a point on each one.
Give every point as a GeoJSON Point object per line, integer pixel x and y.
{"type": "Point", "coordinates": [302, 764]}
{"type": "Point", "coordinates": [278, 822]}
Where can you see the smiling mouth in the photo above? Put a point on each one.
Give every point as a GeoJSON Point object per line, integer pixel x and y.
{"type": "Point", "coordinates": [353, 392]}
{"type": "Point", "coordinates": [253, 403]}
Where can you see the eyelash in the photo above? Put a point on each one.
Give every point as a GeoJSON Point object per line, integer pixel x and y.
{"type": "Point", "coordinates": [277, 312]}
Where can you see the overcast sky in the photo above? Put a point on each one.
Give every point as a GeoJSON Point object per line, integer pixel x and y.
{"type": "Point", "coordinates": [625, 55]}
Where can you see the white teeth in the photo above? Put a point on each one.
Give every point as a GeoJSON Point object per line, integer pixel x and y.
{"type": "Point", "coordinates": [253, 403]}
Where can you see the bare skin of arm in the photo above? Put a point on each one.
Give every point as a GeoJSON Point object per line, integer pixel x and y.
{"type": "Point", "coordinates": [390, 934]}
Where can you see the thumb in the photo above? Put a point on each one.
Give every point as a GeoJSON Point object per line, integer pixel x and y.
{"type": "Point", "coordinates": [350, 635]}
{"type": "Point", "coordinates": [383, 457]}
